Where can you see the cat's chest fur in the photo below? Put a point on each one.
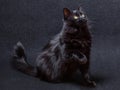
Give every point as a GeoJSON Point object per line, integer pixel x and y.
{"type": "Point", "coordinates": [77, 39]}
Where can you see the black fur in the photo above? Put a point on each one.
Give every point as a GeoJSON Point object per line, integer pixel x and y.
{"type": "Point", "coordinates": [66, 53]}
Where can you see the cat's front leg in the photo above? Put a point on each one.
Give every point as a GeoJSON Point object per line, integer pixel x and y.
{"type": "Point", "coordinates": [84, 69]}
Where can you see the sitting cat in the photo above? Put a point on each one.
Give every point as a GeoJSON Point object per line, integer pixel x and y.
{"type": "Point", "coordinates": [66, 53]}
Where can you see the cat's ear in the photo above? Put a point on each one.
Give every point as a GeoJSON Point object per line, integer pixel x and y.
{"type": "Point", "coordinates": [66, 13]}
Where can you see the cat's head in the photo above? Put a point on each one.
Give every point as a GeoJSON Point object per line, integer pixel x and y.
{"type": "Point", "coordinates": [75, 17]}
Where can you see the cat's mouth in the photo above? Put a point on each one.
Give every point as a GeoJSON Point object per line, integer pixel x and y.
{"type": "Point", "coordinates": [81, 26]}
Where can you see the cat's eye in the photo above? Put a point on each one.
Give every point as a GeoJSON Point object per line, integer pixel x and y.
{"type": "Point", "coordinates": [82, 15]}
{"type": "Point", "coordinates": [76, 17]}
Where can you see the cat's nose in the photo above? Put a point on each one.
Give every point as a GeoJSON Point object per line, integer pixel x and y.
{"type": "Point", "coordinates": [82, 20]}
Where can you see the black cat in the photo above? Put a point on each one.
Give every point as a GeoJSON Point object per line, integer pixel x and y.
{"type": "Point", "coordinates": [66, 53]}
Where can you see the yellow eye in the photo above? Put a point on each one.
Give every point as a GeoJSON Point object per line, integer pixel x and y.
{"type": "Point", "coordinates": [76, 17]}
{"type": "Point", "coordinates": [82, 16]}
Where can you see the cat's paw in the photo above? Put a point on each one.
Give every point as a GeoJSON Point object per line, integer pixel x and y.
{"type": "Point", "coordinates": [83, 61]}
{"type": "Point", "coordinates": [91, 84]}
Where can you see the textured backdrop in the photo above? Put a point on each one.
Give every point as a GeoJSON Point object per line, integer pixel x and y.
{"type": "Point", "coordinates": [34, 22]}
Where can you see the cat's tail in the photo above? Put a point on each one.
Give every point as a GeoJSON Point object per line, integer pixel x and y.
{"type": "Point", "coordinates": [19, 61]}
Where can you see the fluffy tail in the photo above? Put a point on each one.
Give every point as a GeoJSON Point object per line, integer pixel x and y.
{"type": "Point", "coordinates": [19, 61]}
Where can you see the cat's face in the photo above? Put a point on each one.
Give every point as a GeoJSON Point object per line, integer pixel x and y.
{"type": "Point", "coordinates": [75, 17]}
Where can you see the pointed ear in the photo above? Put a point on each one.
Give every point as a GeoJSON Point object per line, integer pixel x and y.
{"type": "Point", "coordinates": [66, 13]}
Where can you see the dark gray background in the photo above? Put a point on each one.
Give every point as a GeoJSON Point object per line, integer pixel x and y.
{"type": "Point", "coordinates": [34, 22]}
